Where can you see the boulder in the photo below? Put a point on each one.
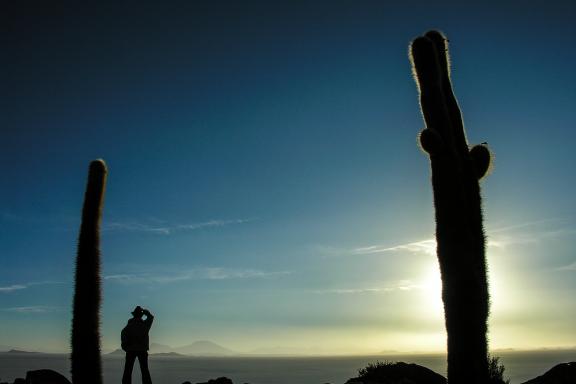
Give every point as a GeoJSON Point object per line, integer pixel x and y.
{"type": "Point", "coordinates": [45, 376]}
{"type": "Point", "coordinates": [394, 373]}
{"type": "Point", "coordinates": [564, 373]}
{"type": "Point", "coordinates": [220, 380]}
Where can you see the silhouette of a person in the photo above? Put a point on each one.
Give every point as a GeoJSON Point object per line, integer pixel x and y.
{"type": "Point", "coordinates": [135, 342]}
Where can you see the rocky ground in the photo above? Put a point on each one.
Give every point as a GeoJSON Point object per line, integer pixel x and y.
{"type": "Point", "coordinates": [383, 373]}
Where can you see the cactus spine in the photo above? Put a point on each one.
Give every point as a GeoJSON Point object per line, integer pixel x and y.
{"type": "Point", "coordinates": [86, 362]}
{"type": "Point", "coordinates": [456, 171]}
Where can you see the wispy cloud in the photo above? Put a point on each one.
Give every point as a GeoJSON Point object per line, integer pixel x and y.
{"type": "Point", "coordinates": [502, 237]}
{"type": "Point", "coordinates": [211, 224]}
{"type": "Point", "coordinates": [533, 232]}
{"type": "Point", "coordinates": [18, 287]}
{"type": "Point", "coordinates": [12, 288]}
{"type": "Point", "coordinates": [427, 246]}
{"type": "Point", "coordinates": [528, 225]}
{"type": "Point", "coordinates": [134, 227]}
{"type": "Point", "coordinates": [32, 309]}
{"type": "Point", "coordinates": [403, 285]}
{"type": "Point", "coordinates": [193, 274]}
{"type": "Point", "coordinates": [569, 267]}
{"type": "Point", "coordinates": [167, 229]}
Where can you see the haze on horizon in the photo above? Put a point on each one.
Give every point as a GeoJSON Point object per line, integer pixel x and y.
{"type": "Point", "coordinates": [265, 186]}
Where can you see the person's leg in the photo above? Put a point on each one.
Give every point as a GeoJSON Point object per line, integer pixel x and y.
{"type": "Point", "coordinates": [128, 366]}
{"type": "Point", "coordinates": [143, 360]}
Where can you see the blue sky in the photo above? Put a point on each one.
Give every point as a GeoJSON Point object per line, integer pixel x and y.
{"type": "Point", "coordinates": [265, 187]}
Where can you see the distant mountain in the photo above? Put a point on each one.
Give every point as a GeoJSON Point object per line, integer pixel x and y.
{"type": "Point", "coordinates": [204, 348]}
{"type": "Point", "coordinates": [120, 352]}
{"type": "Point", "coordinates": [17, 351]}
{"type": "Point", "coordinates": [117, 352]}
{"type": "Point", "coordinates": [168, 354]}
{"type": "Point", "coordinates": [197, 348]}
{"type": "Point", "coordinates": [160, 348]}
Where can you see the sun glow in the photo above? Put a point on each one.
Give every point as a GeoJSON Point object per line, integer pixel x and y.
{"type": "Point", "coordinates": [432, 289]}
{"type": "Point", "coordinates": [431, 285]}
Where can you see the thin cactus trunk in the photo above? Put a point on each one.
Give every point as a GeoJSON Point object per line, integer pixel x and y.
{"type": "Point", "coordinates": [86, 362]}
{"type": "Point", "coordinates": [456, 171]}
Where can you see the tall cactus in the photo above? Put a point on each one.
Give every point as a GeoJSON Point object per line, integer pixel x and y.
{"type": "Point", "coordinates": [456, 171]}
{"type": "Point", "coordinates": [86, 362]}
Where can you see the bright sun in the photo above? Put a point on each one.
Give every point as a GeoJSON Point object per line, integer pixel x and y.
{"type": "Point", "coordinates": [432, 288]}
{"type": "Point", "coordinates": [431, 285]}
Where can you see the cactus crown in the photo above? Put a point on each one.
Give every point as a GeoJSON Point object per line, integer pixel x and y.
{"type": "Point", "coordinates": [444, 134]}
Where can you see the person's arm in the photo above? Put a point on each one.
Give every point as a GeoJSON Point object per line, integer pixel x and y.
{"type": "Point", "coordinates": [149, 318]}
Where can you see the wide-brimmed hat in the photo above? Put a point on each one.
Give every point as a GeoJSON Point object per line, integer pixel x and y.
{"type": "Point", "coordinates": [137, 311]}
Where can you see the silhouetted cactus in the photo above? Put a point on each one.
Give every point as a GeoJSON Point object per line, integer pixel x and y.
{"type": "Point", "coordinates": [456, 170]}
{"type": "Point", "coordinates": [86, 362]}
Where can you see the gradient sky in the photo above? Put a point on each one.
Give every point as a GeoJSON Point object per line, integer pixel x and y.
{"type": "Point", "coordinates": [265, 187]}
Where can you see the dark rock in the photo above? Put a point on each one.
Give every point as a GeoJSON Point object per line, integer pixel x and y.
{"type": "Point", "coordinates": [45, 376]}
{"type": "Point", "coordinates": [19, 381]}
{"type": "Point", "coordinates": [397, 373]}
{"type": "Point", "coordinates": [564, 373]}
{"type": "Point", "coordinates": [220, 380]}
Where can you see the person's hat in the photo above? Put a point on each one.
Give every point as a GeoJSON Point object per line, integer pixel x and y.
{"type": "Point", "coordinates": [137, 311]}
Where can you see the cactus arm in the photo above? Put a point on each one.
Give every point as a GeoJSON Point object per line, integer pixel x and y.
{"type": "Point", "coordinates": [481, 159]}
{"type": "Point", "coordinates": [454, 114]}
{"type": "Point", "coordinates": [426, 65]}
{"type": "Point", "coordinates": [86, 366]}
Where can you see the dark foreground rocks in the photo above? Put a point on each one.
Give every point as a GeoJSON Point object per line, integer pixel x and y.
{"type": "Point", "coordinates": [45, 376]}
{"type": "Point", "coordinates": [42, 376]}
{"type": "Point", "coordinates": [379, 373]}
{"type": "Point", "coordinates": [220, 380]}
{"type": "Point", "coordinates": [395, 373]}
{"type": "Point", "coordinates": [564, 373]}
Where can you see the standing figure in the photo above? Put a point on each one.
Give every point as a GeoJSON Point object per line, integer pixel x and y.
{"type": "Point", "coordinates": [135, 342]}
